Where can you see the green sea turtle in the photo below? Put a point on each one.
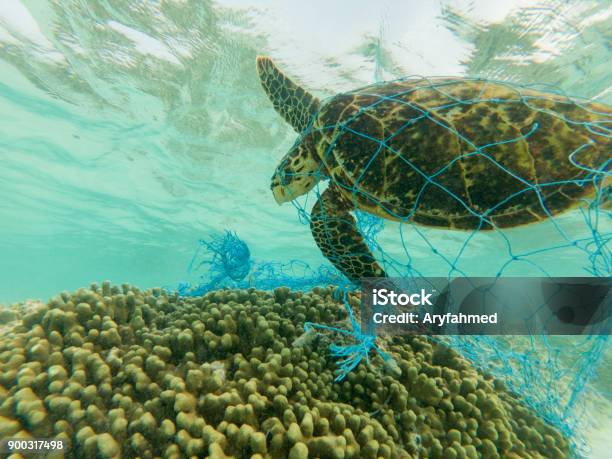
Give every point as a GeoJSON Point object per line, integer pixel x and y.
{"type": "Point", "coordinates": [447, 152]}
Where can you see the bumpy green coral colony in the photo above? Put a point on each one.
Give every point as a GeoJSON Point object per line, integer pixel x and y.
{"type": "Point", "coordinates": [118, 372]}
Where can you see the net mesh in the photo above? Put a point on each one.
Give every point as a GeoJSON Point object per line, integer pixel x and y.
{"type": "Point", "coordinates": [224, 261]}
{"type": "Point", "coordinates": [551, 373]}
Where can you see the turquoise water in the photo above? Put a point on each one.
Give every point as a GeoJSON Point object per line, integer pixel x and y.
{"type": "Point", "coordinates": [132, 129]}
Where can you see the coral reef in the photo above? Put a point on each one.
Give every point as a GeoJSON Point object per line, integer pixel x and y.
{"type": "Point", "coordinates": [120, 372]}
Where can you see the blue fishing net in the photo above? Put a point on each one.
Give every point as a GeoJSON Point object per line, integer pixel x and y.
{"type": "Point", "coordinates": [224, 261]}
{"type": "Point", "coordinates": [551, 373]}
{"type": "Point", "coordinates": [532, 369]}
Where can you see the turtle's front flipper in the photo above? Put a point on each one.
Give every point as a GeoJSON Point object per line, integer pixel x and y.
{"type": "Point", "coordinates": [335, 232]}
{"type": "Point", "coordinates": [292, 102]}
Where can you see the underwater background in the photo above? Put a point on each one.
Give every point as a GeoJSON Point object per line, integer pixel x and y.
{"type": "Point", "coordinates": [130, 130]}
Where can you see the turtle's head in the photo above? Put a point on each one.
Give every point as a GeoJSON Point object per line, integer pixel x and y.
{"type": "Point", "coordinates": [297, 173]}
{"type": "Point", "coordinates": [300, 169]}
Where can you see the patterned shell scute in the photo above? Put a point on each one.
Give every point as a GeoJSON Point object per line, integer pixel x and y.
{"type": "Point", "coordinates": [459, 153]}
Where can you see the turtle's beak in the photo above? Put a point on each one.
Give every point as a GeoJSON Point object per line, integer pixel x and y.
{"type": "Point", "coordinates": [280, 196]}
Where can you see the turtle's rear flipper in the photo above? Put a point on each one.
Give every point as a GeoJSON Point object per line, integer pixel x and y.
{"type": "Point", "coordinates": [335, 232]}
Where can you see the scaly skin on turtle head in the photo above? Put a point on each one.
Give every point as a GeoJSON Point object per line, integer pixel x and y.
{"type": "Point", "coordinates": [298, 172]}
